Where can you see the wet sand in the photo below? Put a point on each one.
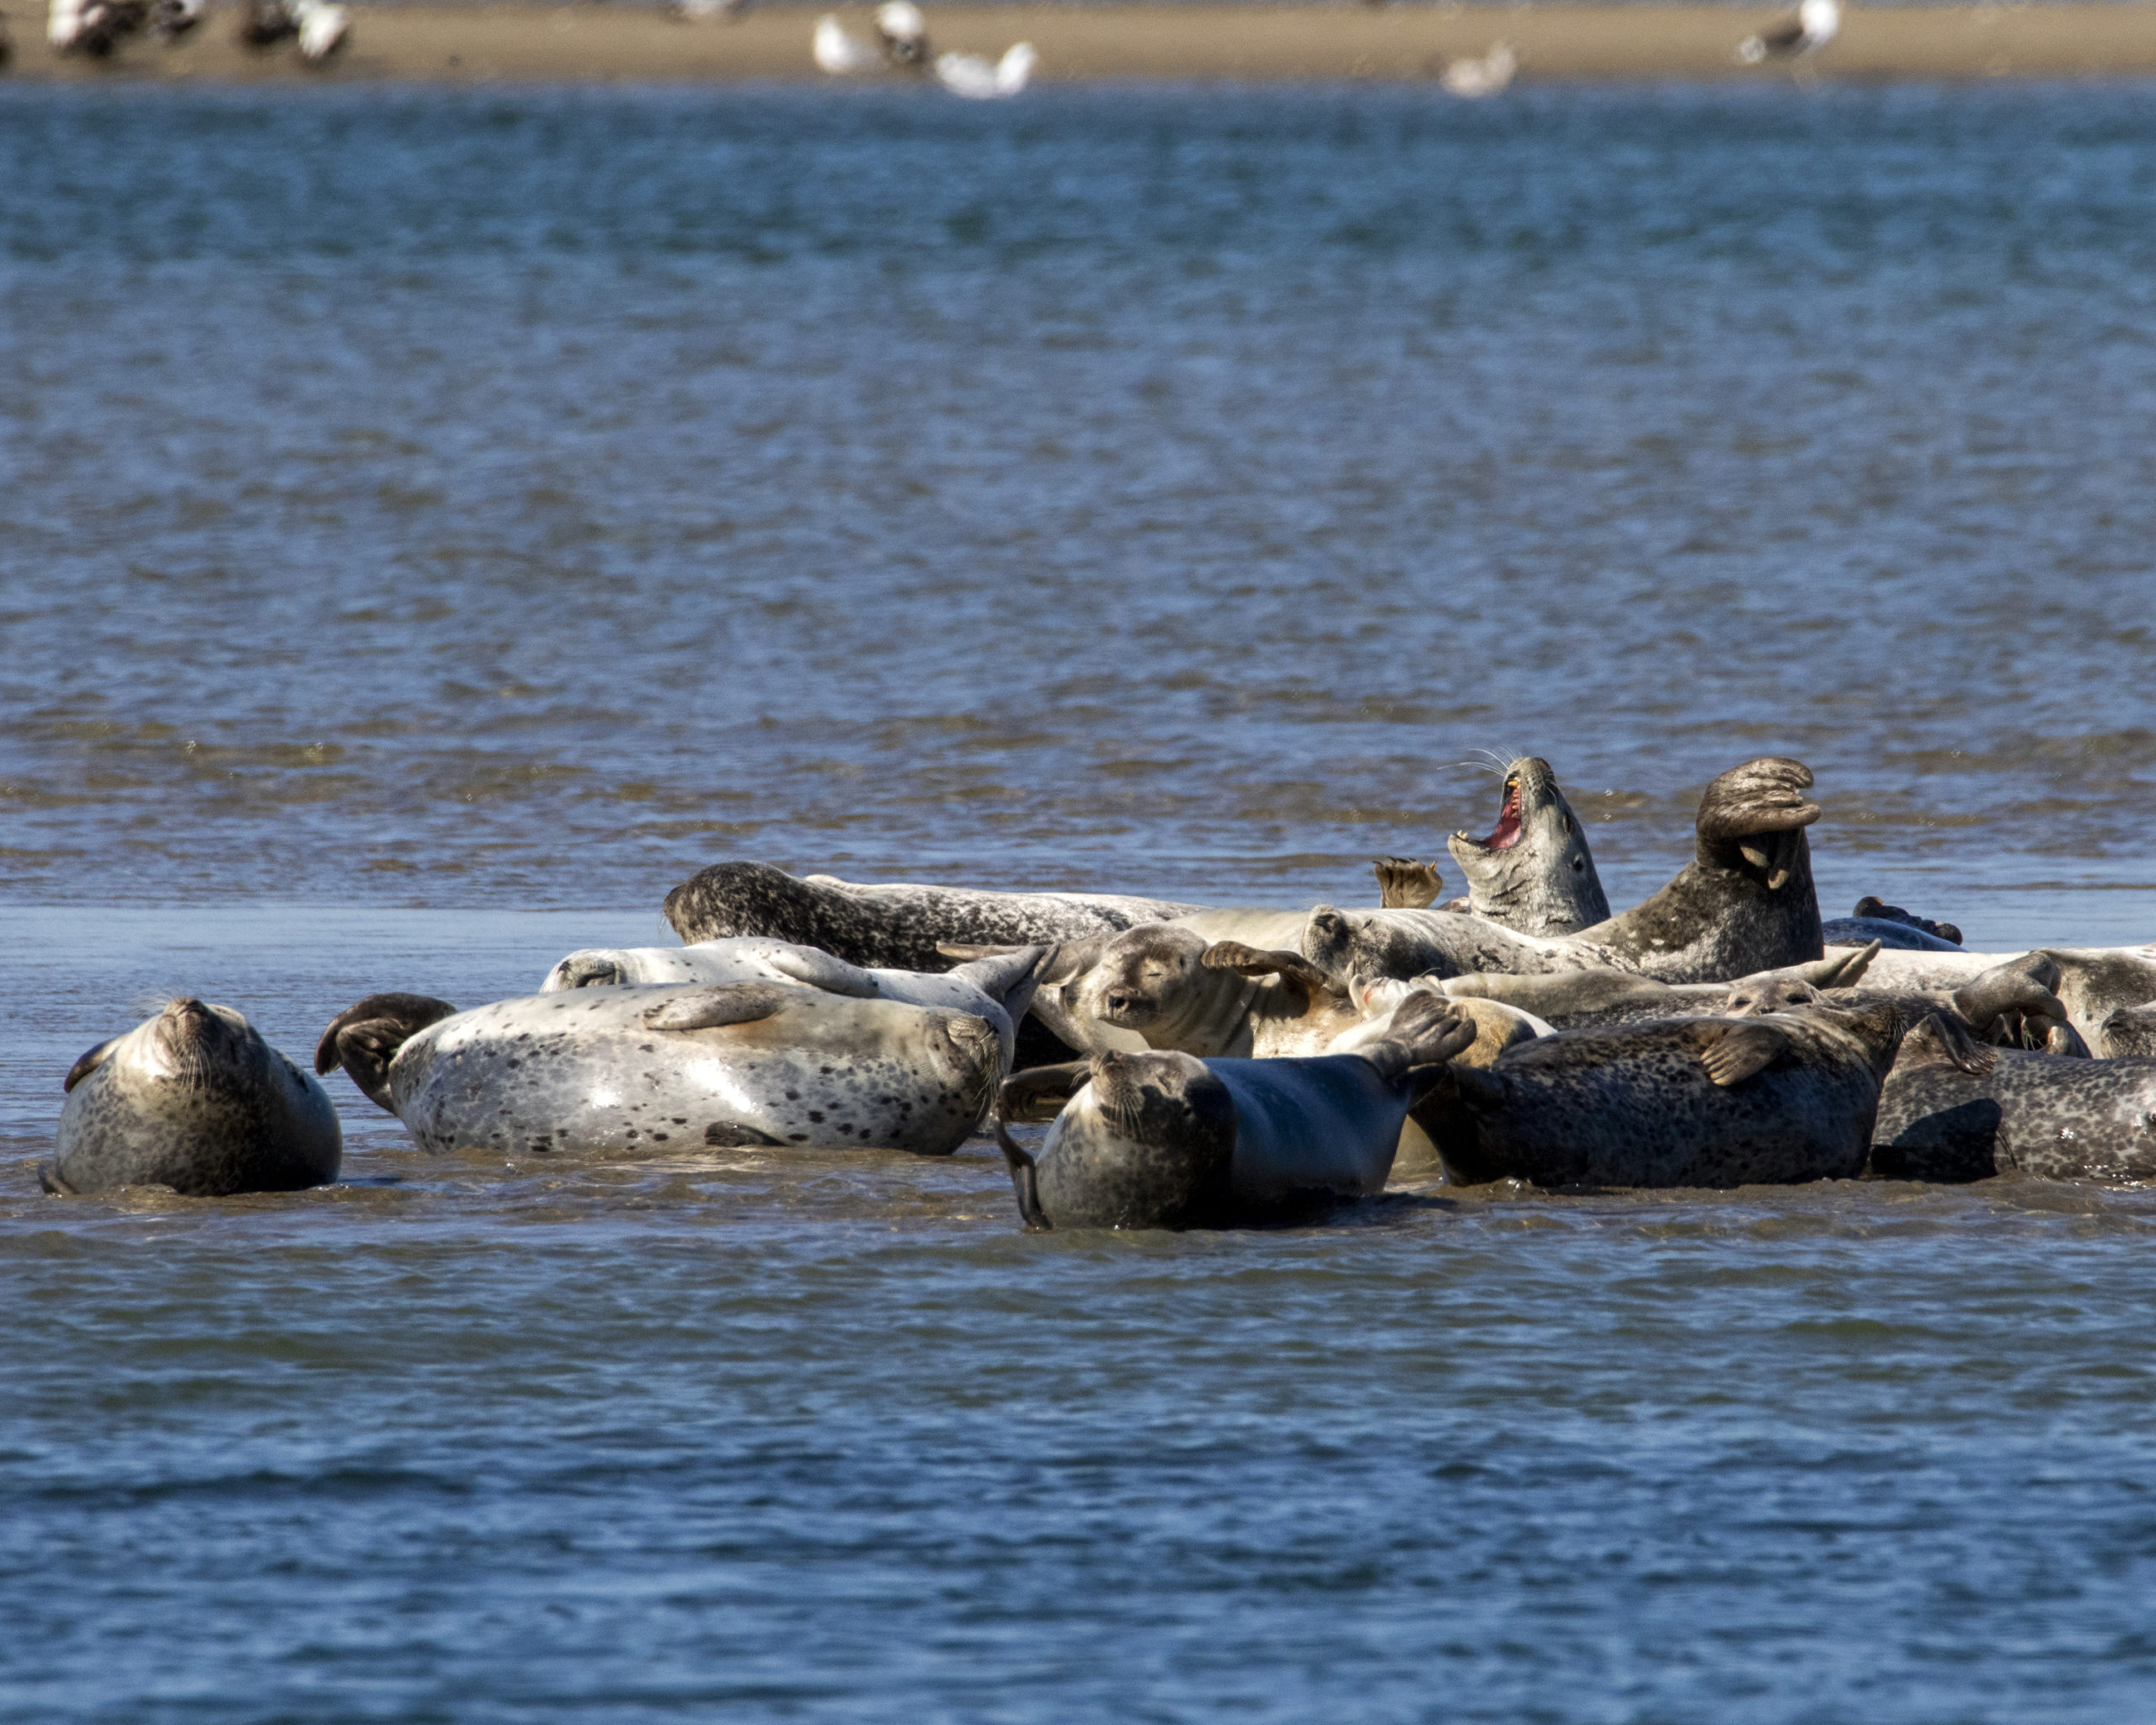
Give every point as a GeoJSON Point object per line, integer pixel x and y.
{"type": "Point", "coordinates": [535, 44]}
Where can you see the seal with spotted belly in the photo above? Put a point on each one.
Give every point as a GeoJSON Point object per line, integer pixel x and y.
{"type": "Point", "coordinates": [1168, 1140]}
{"type": "Point", "coordinates": [670, 1068]}
{"type": "Point", "coordinates": [194, 1099]}
{"type": "Point", "coordinates": [1685, 1101]}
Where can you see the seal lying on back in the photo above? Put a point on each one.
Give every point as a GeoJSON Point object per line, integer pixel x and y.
{"type": "Point", "coordinates": [1533, 875]}
{"type": "Point", "coordinates": [1686, 1101]}
{"type": "Point", "coordinates": [997, 987]}
{"type": "Point", "coordinates": [1166, 1141]}
{"type": "Point", "coordinates": [194, 1099]}
{"type": "Point", "coordinates": [898, 927]}
{"type": "Point", "coordinates": [674, 1066]}
{"type": "Point", "coordinates": [1953, 1110]}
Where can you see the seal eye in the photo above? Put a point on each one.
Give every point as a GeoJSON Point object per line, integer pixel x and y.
{"type": "Point", "coordinates": [1579, 865]}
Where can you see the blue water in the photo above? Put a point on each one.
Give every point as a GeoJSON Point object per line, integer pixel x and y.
{"type": "Point", "coordinates": [433, 525]}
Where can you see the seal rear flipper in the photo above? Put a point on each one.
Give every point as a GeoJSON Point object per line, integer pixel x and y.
{"type": "Point", "coordinates": [1741, 1049]}
{"type": "Point", "coordinates": [88, 1064]}
{"type": "Point", "coordinates": [710, 1008]}
{"type": "Point", "coordinates": [364, 1039]}
{"type": "Point", "coordinates": [1039, 1093]}
{"type": "Point", "coordinates": [1405, 884]}
{"type": "Point", "coordinates": [53, 1186]}
{"type": "Point", "coordinates": [1841, 968]}
{"type": "Point", "coordinates": [1025, 1181]}
{"type": "Point", "coordinates": [1000, 972]}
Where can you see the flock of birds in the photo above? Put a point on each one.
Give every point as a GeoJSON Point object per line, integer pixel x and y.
{"type": "Point", "coordinates": [95, 29]}
{"type": "Point", "coordinates": [900, 43]}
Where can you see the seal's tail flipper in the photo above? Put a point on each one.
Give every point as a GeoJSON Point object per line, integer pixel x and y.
{"type": "Point", "coordinates": [998, 971]}
{"type": "Point", "coordinates": [1405, 884]}
{"type": "Point", "coordinates": [51, 1183]}
{"type": "Point", "coordinates": [1025, 1182]}
{"type": "Point", "coordinates": [1841, 968]}
{"type": "Point", "coordinates": [364, 1038]}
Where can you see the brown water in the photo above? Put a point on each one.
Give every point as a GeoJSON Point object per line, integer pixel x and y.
{"type": "Point", "coordinates": [433, 525]}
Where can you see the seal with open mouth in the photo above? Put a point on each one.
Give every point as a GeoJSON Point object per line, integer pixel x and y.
{"type": "Point", "coordinates": [194, 1099]}
{"type": "Point", "coordinates": [1534, 872]}
{"type": "Point", "coordinates": [671, 1067]}
{"type": "Point", "coordinates": [1167, 1140]}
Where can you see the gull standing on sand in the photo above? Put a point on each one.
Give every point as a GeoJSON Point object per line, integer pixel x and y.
{"type": "Point", "coordinates": [1805, 30]}
{"type": "Point", "coordinates": [1481, 78]}
{"type": "Point", "coordinates": [904, 34]}
{"type": "Point", "coordinates": [839, 54]}
{"type": "Point", "coordinates": [978, 79]}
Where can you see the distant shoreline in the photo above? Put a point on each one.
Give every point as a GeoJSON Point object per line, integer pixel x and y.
{"type": "Point", "coordinates": [1200, 43]}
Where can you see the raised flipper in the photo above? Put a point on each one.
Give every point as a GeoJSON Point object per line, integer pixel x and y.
{"type": "Point", "coordinates": [1025, 1182]}
{"type": "Point", "coordinates": [1759, 812]}
{"type": "Point", "coordinates": [818, 969]}
{"type": "Point", "coordinates": [1940, 1041]}
{"type": "Point", "coordinates": [1747, 1048]}
{"type": "Point", "coordinates": [364, 1039]}
{"type": "Point", "coordinates": [2017, 1005]}
{"type": "Point", "coordinates": [88, 1064]}
{"type": "Point", "coordinates": [712, 1008]}
{"type": "Point", "coordinates": [1291, 968]}
{"type": "Point", "coordinates": [1039, 1093]}
{"type": "Point", "coordinates": [1405, 884]}
{"type": "Point", "coordinates": [1426, 1030]}
{"type": "Point", "coordinates": [1839, 968]}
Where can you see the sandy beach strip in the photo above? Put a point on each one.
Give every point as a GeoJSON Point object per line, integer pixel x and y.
{"type": "Point", "coordinates": [591, 44]}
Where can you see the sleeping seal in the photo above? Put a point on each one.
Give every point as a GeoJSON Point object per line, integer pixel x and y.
{"type": "Point", "coordinates": [1685, 1101]}
{"type": "Point", "coordinates": [194, 1099]}
{"type": "Point", "coordinates": [996, 986]}
{"type": "Point", "coordinates": [1953, 1110]}
{"type": "Point", "coordinates": [675, 1067]}
{"type": "Point", "coordinates": [2094, 984]}
{"type": "Point", "coordinates": [1166, 1141]}
{"type": "Point", "coordinates": [896, 927]}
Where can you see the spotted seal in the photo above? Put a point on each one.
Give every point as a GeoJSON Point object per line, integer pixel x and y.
{"type": "Point", "coordinates": [194, 1099]}
{"type": "Point", "coordinates": [996, 985]}
{"type": "Point", "coordinates": [1682, 1102]}
{"type": "Point", "coordinates": [1891, 926]}
{"type": "Point", "coordinates": [1534, 873]}
{"type": "Point", "coordinates": [671, 1067]}
{"type": "Point", "coordinates": [1955, 1110]}
{"type": "Point", "coordinates": [1167, 1140]}
{"type": "Point", "coordinates": [2098, 987]}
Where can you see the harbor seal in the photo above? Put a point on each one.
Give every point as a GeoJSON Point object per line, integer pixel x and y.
{"type": "Point", "coordinates": [1601, 995]}
{"type": "Point", "coordinates": [1167, 1140]}
{"type": "Point", "coordinates": [1891, 926]}
{"type": "Point", "coordinates": [1954, 1110]}
{"type": "Point", "coordinates": [996, 985]}
{"type": "Point", "coordinates": [672, 1067]}
{"type": "Point", "coordinates": [194, 1099]}
{"type": "Point", "coordinates": [895, 926]}
{"type": "Point", "coordinates": [2094, 983]}
{"type": "Point", "coordinates": [1535, 872]}
{"type": "Point", "coordinates": [1685, 1102]}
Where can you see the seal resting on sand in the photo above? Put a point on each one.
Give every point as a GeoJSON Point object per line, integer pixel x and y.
{"type": "Point", "coordinates": [997, 987]}
{"type": "Point", "coordinates": [1954, 1110]}
{"type": "Point", "coordinates": [1685, 1102]}
{"type": "Point", "coordinates": [194, 1099]}
{"type": "Point", "coordinates": [676, 1066]}
{"type": "Point", "coordinates": [1167, 1140]}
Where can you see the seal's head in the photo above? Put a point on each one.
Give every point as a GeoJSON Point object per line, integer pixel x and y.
{"type": "Point", "coordinates": [190, 1042]}
{"type": "Point", "coordinates": [1534, 872]}
{"type": "Point", "coordinates": [968, 1052]}
{"type": "Point", "coordinates": [1770, 991]}
{"type": "Point", "coordinates": [1148, 1143]}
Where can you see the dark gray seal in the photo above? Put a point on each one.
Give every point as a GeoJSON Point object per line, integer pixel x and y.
{"type": "Point", "coordinates": [194, 1099]}
{"type": "Point", "coordinates": [671, 1067]}
{"type": "Point", "coordinates": [1891, 926]}
{"type": "Point", "coordinates": [1954, 1110]}
{"type": "Point", "coordinates": [1685, 1101]}
{"type": "Point", "coordinates": [1167, 1140]}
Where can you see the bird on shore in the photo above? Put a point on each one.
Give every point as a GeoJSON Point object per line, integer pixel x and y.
{"type": "Point", "coordinates": [93, 27]}
{"type": "Point", "coordinates": [1805, 30]}
{"type": "Point", "coordinates": [321, 28]}
{"type": "Point", "coordinates": [841, 55]}
{"type": "Point", "coordinates": [979, 79]}
{"type": "Point", "coordinates": [904, 32]}
{"type": "Point", "coordinates": [171, 19]}
{"type": "Point", "coordinates": [1473, 79]}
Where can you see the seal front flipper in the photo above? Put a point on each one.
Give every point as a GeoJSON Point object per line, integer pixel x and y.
{"type": "Point", "coordinates": [1291, 968]}
{"type": "Point", "coordinates": [710, 1009]}
{"type": "Point", "coordinates": [1038, 1093]}
{"type": "Point", "coordinates": [1940, 1041]}
{"type": "Point", "coordinates": [1757, 812]}
{"type": "Point", "coordinates": [88, 1064]}
{"type": "Point", "coordinates": [1405, 884]}
{"type": "Point", "coordinates": [1025, 1181]}
{"type": "Point", "coordinates": [2017, 1005]}
{"type": "Point", "coordinates": [819, 970]}
{"type": "Point", "coordinates": [1747, 1048]}
{"type": "Point", "coordinates": [364, 1039]}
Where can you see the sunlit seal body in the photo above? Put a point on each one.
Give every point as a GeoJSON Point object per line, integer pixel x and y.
{"type": "Point", "coordinates": [1686, 1101]}
{"type": "Point", "coordinates": [997, 987]}
{"type": "Point", "coordinates": [1602, 996]}
{"type": "Point", "coordinates": [1167, 1140]}
{"type": "Point", "coordinates": [194, 1099]}
{"type": "Point", "coordinates": [671, 1067]}
{"type": "Point", "coordinates": [1953, 1110]}
{"type": "Point", "coordinates": [1534, 872]}
{"type": "Point", "coordinates": [2100, 987]}
{"type": "Point", "coordinates": [896, 927]}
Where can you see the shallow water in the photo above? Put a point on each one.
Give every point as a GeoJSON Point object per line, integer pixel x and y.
{"type": "Point", "coordinates": [432, 516]}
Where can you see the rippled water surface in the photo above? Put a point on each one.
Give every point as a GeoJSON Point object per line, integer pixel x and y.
{"type": "Point", "coordinates": [433, 525]}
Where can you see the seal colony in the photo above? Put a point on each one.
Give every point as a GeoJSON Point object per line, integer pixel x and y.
{"type": "Point", "coordinates": [1234, 1065]}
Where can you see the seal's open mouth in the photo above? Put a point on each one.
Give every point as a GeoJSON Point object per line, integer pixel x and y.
{"type": "Point", "coordinates": [1506, 834]}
